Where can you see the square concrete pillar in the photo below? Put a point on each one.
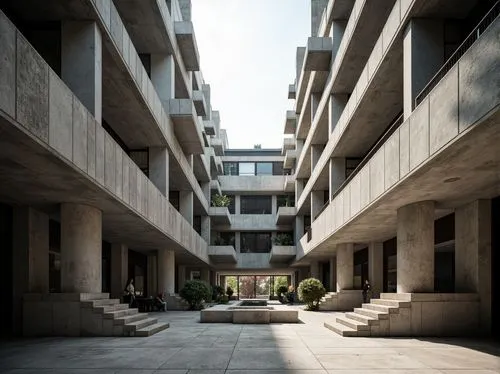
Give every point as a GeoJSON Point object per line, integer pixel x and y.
{"type": "Point", "coordinates": [376, 268]}
{"type": "Point", "coordinates": [345, 267]}
{"type": "Point", "coordinates": [335, 108]}
{"type": "Point", "coordinates": [299, 228]}
{"type": "Point", "coordinates": [119, 269]}
{"type": "Point", "coordinates": [163, 76]}
{"type": "Point", "coordinates": [205, 187]}
{"type": "Point", "coordinates": [338, 29]}
{"type": "Point", "coordinates": [317, 198]}
{"type": "Point", "coordinates": [333, 274]}
{"type": "Point", "coordinates": [299, 188]}
{"type": "Point", "coordinates": [415, 250]}
{"type": "Point", "coordinates": [181, 276]}
{"type": "Point", "coordinates": [315, 99]}
{"type": "Point", "coordinates": [81, 249]}
{"type": "Point", "coordinates": [274, 204]}
{"type": "Point", "coordinates": [166, 271]}
{"type": "Point", "coordinates": [314, 269]}
{"type": "Point", "coordinates": [186, 205]}
{"type": "Point", "coordinates": [205, 228]}
{"type": "Point", "coordinates": [423, 55]}
{"type": "Point", "coordinates": [299, 145]}
{"type": "Point", "coordinates": [317, 9]}
{"type": "Point", "coordinates": [316, 151]}
{"type": "Point", "coordinates": [153, 273]}
{"type": "Point", "coordinates": [206, 92]}
{"type": "Point", "coordinates": [336, 174]}
{"type": "Point", "coordinates": [237, 204]}
{"type": "Point", "coordinates": [159, 168]}
{"type": "Point", "coordinates": [299, 62]}
{"type": "Point", "coordinates": [237, 241]}
{"type": "Point", "coordinates": [81, 63]}
{"type": "Point", "coordinates": [473, 255]}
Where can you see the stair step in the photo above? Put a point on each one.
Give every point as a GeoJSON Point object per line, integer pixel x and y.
{"type": "Point", "coordinates": [381, 308]}
{"type": "Point", "coordinates": [99, 302]}
{"type": "Point", "coordinates": [372, 313]}
{"type": "Point", "coordinates": [120, 313]}
{"type": "Point", "coordinates": [128, 319]}
{"type": "Point", "coordinates": [110, 308]}
{"type": "Point", "coordinates": [137, 325]}
{"type": "Point", "coordinates": [152, 329]}
{"type": "Point", "coordinates": [393, 303]}
{"type": "Point", "coordinates": [343, 330]}
{"type": "Point", "coordinates": [355, 325]}
{"type": "Point", "coordinates": [371, 321]}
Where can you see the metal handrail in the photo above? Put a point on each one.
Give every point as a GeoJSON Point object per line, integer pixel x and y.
{"type": "Point", "coordinates": [481, 27]}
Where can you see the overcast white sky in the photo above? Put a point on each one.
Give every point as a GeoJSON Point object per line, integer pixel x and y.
{"type": "Point", "coordinates": [247, 53]}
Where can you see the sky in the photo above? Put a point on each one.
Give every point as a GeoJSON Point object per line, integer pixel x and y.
{"type": "Point", "coordinates": [247, 54]}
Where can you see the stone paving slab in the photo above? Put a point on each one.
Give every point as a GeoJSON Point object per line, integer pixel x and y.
{"type": "Point", "coordinates": [189, 347]}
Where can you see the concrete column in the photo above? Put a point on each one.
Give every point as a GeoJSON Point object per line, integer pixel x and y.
{"type": "Point", "coordinates": [338, 29]}
{"type": "Point", "coordinates": [317, 8]}
{"type": "Point", "coordinates": [315, 99]}
{"type": "Point", "coordinates": [153, 273]}
{"type": "Point", "coordinates": [205, 275]}
{"type": "Point", "coordinates": [299, 229]}
{"type": "Point", "coordinates": [81, 249]}
{"type": "Point", "coordinates": [119, 269]}
{"type": "Point", "coordinates": [314, 269]}
{"type": "Point", "coordinates": [205, 187]}
{"type": "Point", "coordinates": [185, 6]}
{"type": "Point", "coordinates": [335, 108]}
{"type": "Point", "coordinates": [423, 55]}
{"type": "Point", "coordinates": [81, 63]}
{"type": "Point", "coordinates": [333, 274]}
{"type": "Point", "coordinates": [181, 276]}
{"type": "Point", "coordinates": [186, 205]}
{"type": "Point", "coordinates": [205, 228]}
{"type": "Point", "coordinates": [163, 76]}
{"type": "Point", "coordinates": [299, 62]}
{"type": "Point", "coordinates": [166, 271]}
{"type": "Point", "coordinates": [316, 151]}
{"type": "Point", "coordinates": [376, 268]}
{"type": "Point", "coordinates": [473, 255]}
{"type": "Point", "coordinates": [299, 145]}
{"type": "Point", "coordinates": [159, 168]}
{"type": "Point", "coordinates": [274, 204]}
{"type": "Point", "coordinates": [336, 174]}
{"type": "Point", "coordinates": [299, 188]}
{"type": "Point", "coordinates": [317, 198]}
{"type": "Point", "coordinates": [190, 159]}
{"type": "Point", "coordinates": [206, 92]}
{"type": "Point", "coordinates": [415, 236]}
{"type": "Point", "coordinates": [345, 267]}
{"type": "Point", "coordinates": [237, 241]}
{"type": "Point", "coordinates": [237, 204]}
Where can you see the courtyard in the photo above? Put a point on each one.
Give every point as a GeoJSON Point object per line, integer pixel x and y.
{"type": "Point", "coordinates": [191, 347]}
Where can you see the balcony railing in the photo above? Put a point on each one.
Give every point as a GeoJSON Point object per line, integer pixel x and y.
{"type": "Point", "coordinates": [486, 21]}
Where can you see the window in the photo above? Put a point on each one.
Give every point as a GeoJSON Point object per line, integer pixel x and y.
{"type": "Point", "coordinates": [278, 168]}
{"type": "Point", "coordinates": [230, 168]}
{"type": "Point", "coordinates": [286, 200]}
{"type": "Point", "coordinates": [231, 205]}
{"type": "Point", "coordinates": [264, 168]}
{"type": "Point", "coordinates": [246, 168]}
{"type": "Point", "coordinates": [256, 205]}
{"type": "Point", "coordinates": [255, 242]}
{"type": "Point", "coordinates": [223, 238]}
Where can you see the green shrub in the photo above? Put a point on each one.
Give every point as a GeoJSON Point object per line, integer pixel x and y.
{"type": "Point", "coordinates": [279, 283]}
{"type": "Point", "coordinates": [229, 291]}
{"type": "Point", "coordinates": [217, 293]}
{"type": "Point", "coordinates": [281, 290]}
{"type": "Point", "coordinates": [311, 291]}
{"type": "Point", "coordinates": [196, 292]}
{"type": "Point", "coordinates": [221, 201]}
{"type": "Point", "coordinates": [283, 239]}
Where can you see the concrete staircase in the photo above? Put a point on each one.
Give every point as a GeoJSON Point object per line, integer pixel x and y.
{"type": "Point", "coordinates": [107, 317]}
{"type": "Point", "coordinates": [328, 301]}
{"type": "Point", "coordinates": [380, 317]}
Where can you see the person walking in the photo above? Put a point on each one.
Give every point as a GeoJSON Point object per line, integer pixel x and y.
{"type": "Point", "coordinates": [366, 290]}
{"type": "Point", "coordinates": [130, 292]}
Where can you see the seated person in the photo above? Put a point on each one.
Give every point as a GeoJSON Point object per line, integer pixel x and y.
{"type": "Point", "coordinates": [160, 303]}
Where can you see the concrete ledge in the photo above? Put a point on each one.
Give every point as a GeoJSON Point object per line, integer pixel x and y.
{"type": "Point", "coordinates": [184, 33]}
{"type": "Point", "coordinates": [57, 297]}
{"type": "Point", "coordinates": [254, 316]}
{"type": "Point", "coordinates": [199, 102]}
{"type": "Point", "coordinates": [209, 126]}
{"type": "Point", "coordinates": [220, 215]}
{"type": "Point", "coordinates": [319, 54]}
{"type": "Point", "coordinates": [284, 316]}
{"type": "Point", "coordinates": [216, 316]}
{"type": "Point", "coordinates": [282, 253]}
{"type": "Point", "coordinates": [430, 297]}
{"type": "Point", "coordinates": [291, 91]}
{"type": "Point", "coordinates": [290, 122]}
{"type": "Point", "coordinates": [234, 313]}
{"type": "Point", "coordinates": [222, 254]}
{"type": "Point", "coordinates": [290, 157]}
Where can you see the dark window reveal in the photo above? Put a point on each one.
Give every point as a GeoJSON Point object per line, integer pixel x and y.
{"type": "Point", "coordinates": [256, 205]}
{"type": "Point", "coordinates": [255, 242]}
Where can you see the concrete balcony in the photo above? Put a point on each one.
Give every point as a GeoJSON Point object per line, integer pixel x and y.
{"type": "Point", "coordinates": [286, 215]}
{"type": "Point", "coordinates": [252, 222]}
{"type": "Point", "coordinates": [253, 184]}
{"type": "Point", "coordinates": [222, 254]}
{"type": "Point", "coordinates": [290, 122]}
{"type": "Point", "coordinates": [289, 185]}
{"type": "Point", "coordinates": [218, 145]}
{"type": "Point", "coordinates": [209, 127]}
{"type": "Point", "coordinates": [282, 253]}
{"type": "Point", "coordinates": [184, 33]}
{"type": "Point", "coordinates": [288, 144]}
{"type": "Point", "coordinates": [199, 103]}
{"type": "Point", "coordinates": [290, 157]}
{"type": "Point", "coordinates": [215, 186]}
{"type": "Point", "coordinates": [216, 166]}
{"type": "Point", "coordinates": [187, 131]}
{"type": "Point", "coordinates": [318, 54]}
{"type": "Point", "coordinates": [291, 91]}
{"type": "Point", "coordinates": [219, 215]}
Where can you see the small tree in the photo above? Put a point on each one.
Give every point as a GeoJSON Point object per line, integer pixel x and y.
{"type": "Point", "coordinates": [196, 292]}
{"type": "Point", "coordinates": [311, 291]}
{"type": "Point", "coordinates": [222, 201]}
{"type": "Point", "coordinates": [229, 291]}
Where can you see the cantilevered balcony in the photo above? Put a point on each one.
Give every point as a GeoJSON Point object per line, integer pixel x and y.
{"type": "Point", "coordinates": [199, 103]}
{"type": "Point", "coordinates": [219, 215]}
{"type": "Point", "coordinates": [286, 215]}
{"type": "Point", "coordinates": [290, 157]}
{"type": "Point", "coordinates": [187, 131]}
{"type": "Point", "coordinates": [222, 254]}
{"type": "Point", "coordinates": [216, 166]}
{"type": "Point", "coordinates": [288, 144]}
{"type": "Point", "coordinates": [184, 33]}
{"type": "Point", "coordinates": [215, 186]}
{"type": "Point", "coordinates": [318, 54]}
{"type": "Point", "coordinates": [209, 126]}
{"type": "Point", "coordinates": [290, 122]}
{"type": "Point", "coordinates": [218, 146]}
{"type": "Point", "coordinates": [289, 185]}
{"type": "Point", "coordinates": [282, 253]}
{"type": "Point", "coordinates": [291, 91]}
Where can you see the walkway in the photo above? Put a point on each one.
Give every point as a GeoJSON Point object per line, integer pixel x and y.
{"type": "Point", "coordinates": [191, 347]}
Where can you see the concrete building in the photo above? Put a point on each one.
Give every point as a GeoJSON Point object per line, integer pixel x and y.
{"type": "Point", "coordinates": [397, 165]}
{"type": "Point", "coordinates": [108, 147]}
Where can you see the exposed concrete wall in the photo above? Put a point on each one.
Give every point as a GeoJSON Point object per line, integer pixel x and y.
{"type": "Point", "coordinates": [119, 269]}
{"type": "Point", "coordinates": [415, 260]}
{"type": "Point", "coordinates": [185, 6]}
{"type": "Point", "coordinates": [345, 267]}
{"type": "Point", "coordinates": [317, 8]}
{"type": "Point", "coordinates": [186, 205]}
{"type": "Point", "coordinates": [335, 109]}
{"type": "Point", "coordinates": [338, 29]}
{"type": "Point", "coordinates": [163, 76]}
{"type": "Point", "coordinates": [376, 268]}
{"type": "Point", "coordinates": [159, 169]}
{"type": "Point", "coordinates": [473, 255]}
{"type": "Point", "coordinates": [299, 61]}
{"type": "Point", "coordinates": [259, 183]}
{"type": "Point", "coordinates": [336, 173]}
{"type": "Point", "coordinates": [166, 271]}
{"type": "Point", "coordinates": [81, 249]}
{"type": "Point", "coordinates": [81, 63]}
{"type": "Point", "coordinates": [153, 273]}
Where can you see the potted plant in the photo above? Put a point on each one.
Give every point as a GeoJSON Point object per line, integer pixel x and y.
{"type": "Point", "coordinates": [283, 239]}
{"type": "Point", "coordinates": [221, 201]}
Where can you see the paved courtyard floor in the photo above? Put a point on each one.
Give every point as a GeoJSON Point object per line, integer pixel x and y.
{"type": "Point", "coordinates": [190, 347]}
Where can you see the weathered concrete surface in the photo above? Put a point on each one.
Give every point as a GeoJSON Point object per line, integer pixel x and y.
{"type": "Point", "coordinates": [166, 271]}
{"type": "Point", "coordinates": [119, 269]}
{"type": "Point", "coordinates": [345, 267]}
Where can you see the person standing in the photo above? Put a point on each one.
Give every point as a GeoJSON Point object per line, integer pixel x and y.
{"type": "Point", "coordinates": [366, 290]}
{"type": "Point", "coordinates": [130, 292]}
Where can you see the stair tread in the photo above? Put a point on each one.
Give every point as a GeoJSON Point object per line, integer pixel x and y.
{"type": "Point", "coordinates": [128, 312]}
{"type": "Point", "coordinates": [379, 314]}
{"type": "Point", "coordinates": [166, 325]}
{"type": "Point", "coordinates": [344, 330]}
{"type": "Point", "coordinates": [361, 316]}
{"type": "Point", "coordinates": [350, 323]}
{"type": "Point", "coordinates": [141, 321]}
{"type": "Point", "coordinates": [128, 319]}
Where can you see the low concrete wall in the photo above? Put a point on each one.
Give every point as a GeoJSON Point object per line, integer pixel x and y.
{"type": "Point", "coordinates": [273, 313]}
